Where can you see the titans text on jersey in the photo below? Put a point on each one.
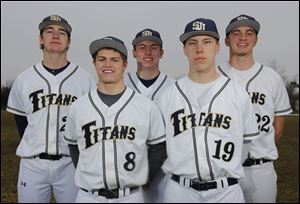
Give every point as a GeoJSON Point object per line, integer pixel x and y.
{"type": "Point", "coordinates": [182, 122]}
{"type": "Point", "coordinates": [92, 136]}
{"type": "Point", "coordinates": [257, 98]}
{"type": "Point", "coordinates": [39, 100]}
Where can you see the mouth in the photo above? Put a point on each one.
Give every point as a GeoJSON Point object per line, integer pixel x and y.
{"type": "Point", "coordinates": [200, 58]}
{"type": "Point", "coordinates": [107, 71]}
{"type": "Point", "coordinates": [242, 45]}
{"type": "Point", "coordinates": [148, 59]}
{"type": "Point", "coordinates": [55, 43]}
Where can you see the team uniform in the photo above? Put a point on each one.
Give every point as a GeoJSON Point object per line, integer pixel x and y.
{"type": "Point", "coordinates": [269, 96]}
{"type": "Point", "coordinates": [152, 92]}
{"type": "Point", "coordinates": [112, 142]}
{"type": "Point", "coordinates": [205, 128]}
{"type": "Point", "coordinates": [44, 99]}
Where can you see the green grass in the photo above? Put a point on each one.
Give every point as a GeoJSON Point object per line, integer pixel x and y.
{"type": "Point", "coordinates": [287, 166]}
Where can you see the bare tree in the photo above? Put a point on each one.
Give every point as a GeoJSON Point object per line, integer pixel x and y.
{"type": "Point", "coordinates": [292, 86]}
{"type": "Point", "coordinates": [280, 69]}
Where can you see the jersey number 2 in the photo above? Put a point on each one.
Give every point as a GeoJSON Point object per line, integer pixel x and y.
{"type": "Point", "coordinates": [263, 122]}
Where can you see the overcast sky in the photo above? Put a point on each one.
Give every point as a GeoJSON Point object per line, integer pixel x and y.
{"type": "Point", "coordinates": [278, 37]}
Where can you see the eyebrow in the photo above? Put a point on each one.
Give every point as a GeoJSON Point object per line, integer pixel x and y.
{"type": "Point", "coordinates": [206, 38]}
{"type": "Point", "coordinates": [152, 44]}
{"type": "Point", "coordinates": [238, 30]}
{"type": "Point", "coordinates": [52, 28]}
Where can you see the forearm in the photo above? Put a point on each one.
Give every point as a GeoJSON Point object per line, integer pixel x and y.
{"type": "Point", "coordinates": [278, 127]}
{"type": "Point", "coordinates": [21, 122]}
{"type": "Point", "coordinates": [74, 151]}
{"type": "Point", "coordinates": [157, 155]}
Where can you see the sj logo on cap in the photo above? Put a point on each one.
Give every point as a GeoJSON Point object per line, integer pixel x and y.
{"type": "Point", "coordinates": [147, 33]}
{"type": "Point", "coordinates": [55, 18]}
{"type": "Point", "coordinates": [240, 18]}
{"type": "Point", "coordinates": [198, 25]}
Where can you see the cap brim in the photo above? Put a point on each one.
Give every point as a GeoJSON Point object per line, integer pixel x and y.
{"type": "Point", "coordinates": [186, 36]}
{"type": "Point", "coordinates": [104, 43]}
{"type": "Point", "coordinates": [143, 38]}
{"type": "Point", "coordinates": [254, 24]}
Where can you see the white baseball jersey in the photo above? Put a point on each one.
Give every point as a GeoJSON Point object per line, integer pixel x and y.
{"type": "Point", "coordinates": [112, 140]}
{"type": "Point", "coordinates": [205, 128]}
{"type": "Point", "coordinates": [45, 100]}
{"type": "Point", "coordinates": [270, 98]}
{"type": "Point", "coordinates": [152, 92]}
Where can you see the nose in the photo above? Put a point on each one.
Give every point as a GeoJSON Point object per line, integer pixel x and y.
{"type": "Point", "coordinates": [107, 63]}
{"type": "Point", "coordinates": [148, 50]}
{"type": "Point", "coordinates": [55, 34]}
{"type": "Point", "coordinates": [243, 36]}
{"type": "Point", "coordinates": [199, 47]}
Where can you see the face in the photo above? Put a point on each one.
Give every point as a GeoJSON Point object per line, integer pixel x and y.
{"type": "Point", "coordinates": [55, 39]}
{"type": "Point", "coordinates": [241, 40]}
{"type": "Point", "coordinates": [110, 66]}
{"type": "Point", "coordinates": [148, 53]}
{"type": "Point", "coordinates": [201, 52]}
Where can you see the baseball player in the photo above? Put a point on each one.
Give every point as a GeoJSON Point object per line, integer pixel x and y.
{"type": "Point", "coordinates": [149, 81]}
{"type": "Point", "coordinates": [207, 118]}
{"type": "Point", "coordinates": [40, 99]}
{"type": "Point", "coordinates": [112, 127]}
{"type": "Point", "coordinates": [269, 96]}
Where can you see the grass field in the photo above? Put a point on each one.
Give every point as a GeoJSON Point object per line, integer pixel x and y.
{"type": "Point", "coordinates": [287, 166]}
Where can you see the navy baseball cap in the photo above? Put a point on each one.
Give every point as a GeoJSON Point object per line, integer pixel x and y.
{"type": "Point", "coordinates": [108, 42]}
{"type": "Point", "coordinates": [147, 34]}
{"type": "Point", "coordinates": [200, 26]}
{"type": "Point", "coordinates": [55, 20]}
{"type": "Point", "coordinates": [243, 20]}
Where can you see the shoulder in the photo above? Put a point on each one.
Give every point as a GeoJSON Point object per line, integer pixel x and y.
{"type": "Point", "coordinates": [169, 79]}
{"type": "Point", "coordinates": [84, 99]}
{"type": "Point", "coordinates": [26, 75]}
{"type": "Point", "coordinates": [236, 90]}
{"type": "Point", "coordinates": [270, 72]}
{"type": "Point", "coordinates": [223, 69]}
{"type": "Point", "coordinates": [79, 70]}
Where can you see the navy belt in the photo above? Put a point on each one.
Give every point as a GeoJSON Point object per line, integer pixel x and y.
{"type": "Point", "coordinates": [199, 186]}
{"type": "Point", "coordinates": [110, 193]}
{"type": "Point", "coordinates": [50, 157]}
{"type": "Point", "coordinates": [251, 162]}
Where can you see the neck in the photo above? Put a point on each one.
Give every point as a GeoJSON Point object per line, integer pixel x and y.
{"type": "Point", "coordinates": [241, 62]}
{"type": "Point", "coordinates": [55, 61]}
{"type": "Point", "coordinates": [147, 73]}
{"type": "Point", "coordinates": [111, 89]}
{"type": "Point", "coordinates": [203, 77]}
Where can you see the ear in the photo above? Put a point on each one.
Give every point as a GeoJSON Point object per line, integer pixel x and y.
{"type": "Point", "coordinates": [184, 51]}
{"type": "Point", "coordinates": [133, 53]}
{"type": "Point", "coordinates": [255, 41]}
{"type": "Point", "coordinates": [125, 65]}
{"type": "Point", "coordinates": [227, 41]}
{"type": "Point", "coordinates": [161, 53]}
{"type": "Point", "coordinates": [218, 47]}
{"type": "Point", "coordinates": [41, 40]}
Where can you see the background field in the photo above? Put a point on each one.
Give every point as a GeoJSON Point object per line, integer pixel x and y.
{"type": "Point", "coordinates": [287, 166]}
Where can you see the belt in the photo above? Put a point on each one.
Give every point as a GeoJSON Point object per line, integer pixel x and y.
{"type": "Point", "coordinates": [112, 193]}
{"type": "Point", "coordinates": [202, 186]}
{"type": "Point", "coordinates": [50, 157]}
{"type": "Point", "coordinates": [251, 162]}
